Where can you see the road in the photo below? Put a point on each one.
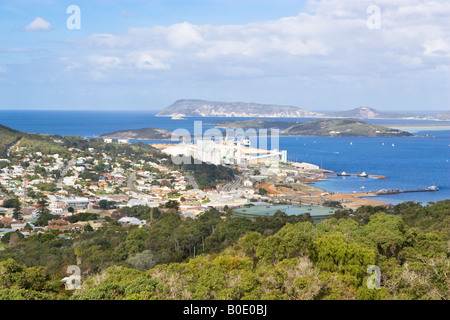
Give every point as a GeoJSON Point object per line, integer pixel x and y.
{"type": "Point", "coordinates": [59, 183]}
{"type": "Point", "coordinates": [131, 179]}
{"type": "Point", "coordinates": [191, 181]}
{"type": "Point", "coordinates": [233, 184]}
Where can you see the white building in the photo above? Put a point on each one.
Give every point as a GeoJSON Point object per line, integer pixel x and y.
{"type": "Point", "coordinates": [247, 183]}
{"type": "Point", "coordinates": [76, 202]}
{"type": "Point", "coordinates": [223, 152]}
{"type": "Point", "coordinates": [69, 181]}
{"type": "Point", "coordinates": [306, 166]}
{"type": "Point", "coordinates": [136, 202]}
{"type": "Point", "coordinates": [132, 221]}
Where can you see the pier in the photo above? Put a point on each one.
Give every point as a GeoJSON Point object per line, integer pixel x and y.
{"type": "Point", "coordinates": [381, 192]}
{"type": "Point", "coordinates": [362, 175]}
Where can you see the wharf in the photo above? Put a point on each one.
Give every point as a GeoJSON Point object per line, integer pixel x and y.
{"type": "Point", "coordinates": [405, 191]}
{"type": "Point", "coordinates": [362, 176]}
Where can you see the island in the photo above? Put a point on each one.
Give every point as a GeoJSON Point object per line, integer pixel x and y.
{"type": "Point", "coordinates": [203, 108]}
{"type": "Point", "coordinates": [139, 134]}
{"type": "Point", "coordinates": [317, 127]}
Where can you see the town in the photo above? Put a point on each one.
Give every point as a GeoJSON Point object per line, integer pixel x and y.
{"type": "Point", "coordinates": [40, 192]}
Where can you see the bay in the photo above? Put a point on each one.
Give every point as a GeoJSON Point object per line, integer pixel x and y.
{"type": "Point", "coordinates": [408, 163]}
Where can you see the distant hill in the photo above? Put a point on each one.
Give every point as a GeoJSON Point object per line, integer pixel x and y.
{"type": "Point", "coordinates": [318, 127]}
{"type": "Point", "coordinates": [371, 113]}
{"type": "Point", "coordinates": [140, 134]}
{"type": "Point", "coordinates": [445, 116]}
{"type": "Point", "coordinates": [343, 128]}
{"type": "Point", "coordinates": [203, 108]}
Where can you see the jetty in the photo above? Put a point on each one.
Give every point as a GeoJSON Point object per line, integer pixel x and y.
{"type": "Point", "coordinates": [362, 175]}
{"type": "Point", "coordinates": [384, 191]}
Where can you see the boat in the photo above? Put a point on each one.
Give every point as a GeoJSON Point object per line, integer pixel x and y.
{"type": "Point", "coordinates": [433, 188]}
{"type": "Point", "coordinates": [362, 187]}
{"type": "Point", "coordinates": [363, 174]}
{"type": "Point", "coordinates": [343, 174]}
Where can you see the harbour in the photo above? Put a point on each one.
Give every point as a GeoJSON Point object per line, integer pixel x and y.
{"type": "Point", "coordinates": [413, 162]}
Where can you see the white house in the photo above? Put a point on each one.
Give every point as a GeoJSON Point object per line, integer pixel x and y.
{"type": "Point", "coordinates": [69, 181]}
{"type": "Point", "coordinates": [76, 202]}
{"type": "Point", "coordinates": [132, 221]}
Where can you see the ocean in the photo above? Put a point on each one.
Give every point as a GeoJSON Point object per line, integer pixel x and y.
{"type": "Point", "coordinates": [408, 163]}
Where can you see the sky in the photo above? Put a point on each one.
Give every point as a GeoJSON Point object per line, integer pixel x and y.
{"type": "Point", "coordinates": [320, 55]}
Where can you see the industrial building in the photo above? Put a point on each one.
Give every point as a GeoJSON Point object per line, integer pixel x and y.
{"type": "Point", "coordinates": [224, 152]}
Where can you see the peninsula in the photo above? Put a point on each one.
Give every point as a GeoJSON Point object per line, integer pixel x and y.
{"type": "Point", "coordinates": [139, 134]}
{"type": "Point", "coordinates": [204, 108]}
{"type": "Point", "coordinates": [317, 127]}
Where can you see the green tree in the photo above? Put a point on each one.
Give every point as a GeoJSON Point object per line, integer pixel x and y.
{"type": "Point", "coordinates": [262, 191]}
{"type": "Point", "coordinates": [332, 253]}
{"type": "Point", "coordinates": [172, 204]}
{"type": "Point", "coordinates": [42, 208]}
{"type": "Point", "coordinates": [12, 203]}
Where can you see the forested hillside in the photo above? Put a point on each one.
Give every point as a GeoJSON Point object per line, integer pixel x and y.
{"type": "Point", "coordinates": [280, 257]}
{"type": "Point", "coordinates": [40, 142]}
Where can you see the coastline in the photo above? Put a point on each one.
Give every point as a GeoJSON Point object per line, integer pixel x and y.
{"type": "Point", "coordinates": [306, 194]}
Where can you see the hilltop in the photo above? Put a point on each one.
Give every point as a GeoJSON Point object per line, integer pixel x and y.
{"type": "Point", "coordinates": [8, 137]}
{"type": "Point", "coordinates": [318, 127]}
{"type": "Point", "coordinates": [203, 108]}
{"type": "Point", "coordinates": [44, 142]}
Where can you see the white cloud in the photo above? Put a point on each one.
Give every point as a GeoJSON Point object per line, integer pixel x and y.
{"type": "Point", "coordinates": [183, 35]}
{"type": "Point", "coordinates": [336, 30]}
{"type": "Point", "coordinates": [144, 61]}
{"type": "Point", "coordinates": [437, 47]}
{"type": "Point", "coordinates": [104, 62]}
{"type": "Point", "coordinates": [38, 24]}
{"type": "Point", "coordinates": [329, 46]}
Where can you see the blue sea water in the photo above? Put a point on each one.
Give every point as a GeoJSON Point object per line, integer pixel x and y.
{"type": "Point", "coordinates": [408, 163]}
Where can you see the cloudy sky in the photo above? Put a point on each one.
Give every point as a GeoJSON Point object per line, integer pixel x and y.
{"type": "Point", "coordinates": [320, 55]}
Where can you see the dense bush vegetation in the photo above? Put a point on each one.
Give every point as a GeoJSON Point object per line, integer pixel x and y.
{"type": "Point", "coordinates": [280, 257]}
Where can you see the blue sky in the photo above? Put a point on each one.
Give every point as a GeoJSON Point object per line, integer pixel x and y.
{"type": "Point", "coordinates": [319, 55]}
